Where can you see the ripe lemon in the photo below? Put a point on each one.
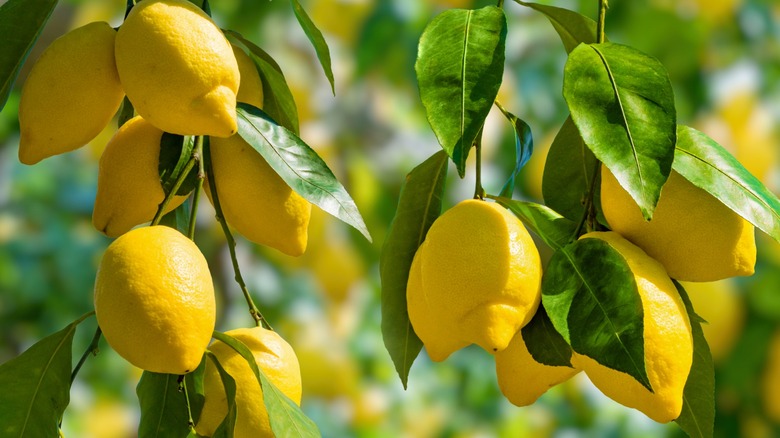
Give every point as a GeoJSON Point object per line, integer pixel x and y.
{"type": "Point", "coordinates": [129, 189]}
{"type": "Point", "coordinates": [278, 362]}
{"type": "Point", "coordinates": [71, 93]}
{"type": "Point", "coordinates": [692, 234]}
{"type": "Point", "coordinates": [178, 69]}
{"type": "Point", "coordinates": [251, 88]}
{"type": "Point", "coordinates": [481, 271]}
{"type": "Point", "coordinates": [154, 300]}
{"type": "Point", "coordinates": [721, 304]}
{"type": "Point", "coordinates": [521, 378]}
{"type": "Point", "coordinates": [668, 342]}
{"type": "Point", "coordinates": [770, 388]}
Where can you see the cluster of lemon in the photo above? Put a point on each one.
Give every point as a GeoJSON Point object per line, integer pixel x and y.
{"type": "Point", "coordinates": [477, 278]}
{"type": "Point", "coordinates": [154, 296]}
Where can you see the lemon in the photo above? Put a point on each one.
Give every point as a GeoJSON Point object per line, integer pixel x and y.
{"type": "Point", "coordinates": [521, 378]}
{"type": "Point", "coordinates": [770, 388]}
{"type": "Point", "coordinates": [71, 93]}
{"type": "Point", "coordinates": [277, 361]}
{"type": "Point", "coordinates": [692, 234]}
{"type": "Point", "coordinates": [178, 69]}
{"type": "Point", "coordinates": [129, 189]}
{"type": "Point", "coordinates": [154, 300]}
{"type": "Point", "coordinates": [481, 271]}
{"type": "Point", "coordinates": [668, 343]}
{"type": "Point", "coordinates": [251, 88]}
{"type": "Point", "coordinates": [721, 304]}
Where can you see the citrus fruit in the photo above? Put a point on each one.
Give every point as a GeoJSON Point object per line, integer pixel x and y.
{"type": "Point", "coordinates": [722, 306]}
{"type": "Point", "coordinates": [521, 378]}
{"type": "Point", "coordinates": [154, 300]}
{"type": "Point", "coordinates": [71, 93]}
{"type": "Point", "coordinates": [692, 234]}
{"type": "Point", "coordinates": [481, 271]}
{"type": "Point", "coordinates": [250, 89]}
{"type": "Point", "coordinates": [178, 69]}
{"type": "Point", "coordinates": [668, 343]}
{"type": "Point", "coordinates": [275, 358]}
{"type": "Point", "coordinates": [129, 189]}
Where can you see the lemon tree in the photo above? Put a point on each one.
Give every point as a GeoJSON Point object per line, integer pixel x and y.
{"type": "Point", "coordinates": [634, 201]}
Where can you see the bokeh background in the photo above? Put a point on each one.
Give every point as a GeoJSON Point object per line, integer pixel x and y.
{"type": "Point", "coordinates": [723, 57]}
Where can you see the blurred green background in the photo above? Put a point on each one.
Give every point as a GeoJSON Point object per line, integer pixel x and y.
{"type": "Point", "coordinates": [723, 57]}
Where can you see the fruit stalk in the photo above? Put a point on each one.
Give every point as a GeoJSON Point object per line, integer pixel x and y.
{"type": "Point", "coordinates": [197, 154]}
{"type": "Point", "coordinates": [92, 348]}
{"type": "Point", "coordinates": [479, 192]}
{"type": "Point", "coordinates": [170, 195]}
{"type": "Point", "coordinates": [603, 6]}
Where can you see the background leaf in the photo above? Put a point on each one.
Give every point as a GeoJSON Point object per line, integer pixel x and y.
{"type": "Point", "coordinates": [592, 299]}
{"type": "Point", "coordinates": [21, 23]}
{"type": "Point", "coordinates": [573, 27]}
{"type": "Point", "coordinates": [622, 103]}
{"type": "Point", "coordinates": [163, 407]}
{"type": "Point", "coordinates": [175, 152]}
{"type": "Point", "coordinates": [36, 387]}
{"type": "Point", "coordinates": [278, 100]}
{"type": "Point", "coordinates": [697, 418]}
{"type": "Point", "coordinates": [524, 147]}
{"type": "Point", "coordinates": [225, 429]}
{"type": "Point", "coordinates": [555, 230]}
{"type": "Point", "coordinates": [545, 344]}
{"type": "Point", "coordinates": [317, 40]}
{"type": "Point", "coordinates": [418, 206]}
{"type": "Point", "coordinates": [707, 165]}
{"type": "Point", "coordinates": [298, 165]}
{"type": "Point", "coordinates": [460, 64]}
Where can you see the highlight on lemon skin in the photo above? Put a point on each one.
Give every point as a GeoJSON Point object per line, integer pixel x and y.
{"type": "Point", "coordinates": [692, 234]}
{"type": "Point", "coordinates": [668, 342]}
{"type": "Point", "coordinates": [178, 69]}
{"type": "Point", "coordinates": [154, 300]}
{"type": "Point", "coordinates": [80, 63]}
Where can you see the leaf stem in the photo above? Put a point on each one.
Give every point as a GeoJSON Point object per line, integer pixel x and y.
{"type": "Point", "coordinates": [479, 192]}
{"type": "Point", "coordinates": [170, 195]}
{"type": "Point", "coordinates": [197, 154]}
{"type": "Point", "coordinates": [183, 382]}
{"type": "Point", "coordinates": [92, 348]}
{"type": "Point", "coordinates": [600, 35]}
{"type": "Point", "coordinates": [231, 242]}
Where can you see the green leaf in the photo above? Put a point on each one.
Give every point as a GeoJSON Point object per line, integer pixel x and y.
{"type": "Point", "coordinates": [707, 165]}
{"type": "Point", "coordinates": [460, 63]}
{"type": "Point", "coordinates": [286, 417]}
{"type": "Point", "coordinates": [545, 344]}
{"type": "Point", "coordinates": [21, 23]}
{"type": "Point", "coordinates": [298, 165]}
{"type": "Point", "coordinates": [573, 28]}
{"type": "Point", "coordinates": [697, 418]}
{"type": "Point", "coordinates": [225, 429]}
{"type": "Point", "coordinates": [175, 153]}
{"type": "Point", "coordinates": [568, 173]}
{"type": "Point", "coordinates": [36, 387]}
{"type": "Point", "coordinates": [555, 230]}
{"type": "Point", "coordinates": [278, 100]}
{"type": "Point", "coordinates": [163, 406]}
{"type": "Point", "coordinates": [622, 103]}
{"type": "Point", "coordinates": [418, 206]}
{"type": "Point", "coordinates": [592, 299]}
{"type": "Point", "coordinates": [179, 218]}
{"type": "Point", "coordinates": [317, 40]}
{"type": "Point", "coordinates": [195, 389]}
{"type": "Point", "coordinates": [524, 147]}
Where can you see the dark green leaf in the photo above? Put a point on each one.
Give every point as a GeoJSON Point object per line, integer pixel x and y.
{"type": "Point", "coordinates": [179, 218]}
{"type": "Point", "coordinates": [317, 40]}
{"type": "Point", "coordinates": [592, 299]}
{"type": "Point", "coordinates": [545, 344]}
{"type": "Point", "coordinates": [568, 173]}
{"type": "Point", "coordinates": [298, 165]}
{"type": "Point", "coordinates": [225, 429]}
{"type": "Point", "coordinates": [126, 112]}
{"type": "Point", "coordinates": [524, 147]}
{"type": "Point", "coordinates": [175, 152]}
{"type": "Point", "coordinates": [697, 418]}
{"type": "Point", "coordinates": [418, 206]}
{"type": "Point", "coordinates": [21, 23]}
{"type": "Point", "coordinates": [35, 387]}
{"type": "Point", "coordinates": [278, 100]}
{"type": "Point", "coordinates": [163, 406]}
{"type": "Point", "coordinates": [554, 229]}
{"type": "Point", "coordinates": [707, 165]}
{"type": "Point", "coordinates": [286, 417]}
{"type": "Point", "coordinates": [195, 389]}
{"type": "Point", "coordinates": [460, 63]}
{"type": "Point", "coordinates": [573, 28]}
{"type": "Point", "coordinates": [622, 103]}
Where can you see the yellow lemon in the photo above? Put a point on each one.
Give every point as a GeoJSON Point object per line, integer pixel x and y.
{"type": "Point", "coordinates": [154, 300]}
{"type": "Point", "coordinates": [692, 234]}
{"type": "Point", "coordinates": [668, 343]}
{"type": "Point", "coordinates": [129, 189]}
{"type": "Point", "coordinates": [278, 362]}
{"type": "Point", "coordinates": [521, 378]}
{"type": "Point", "coordinates": [71, 93]}
{"type": "Point", "coordinates": [481, 271]}
{"type": "Point", "coordinates": [251, 88]}
{"type": "Point", "coordinates": [178, 69]}
{"type": "Point", "coordinates": [770, 389]}
{"type": "Point", "coordinates": [722, 306]}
